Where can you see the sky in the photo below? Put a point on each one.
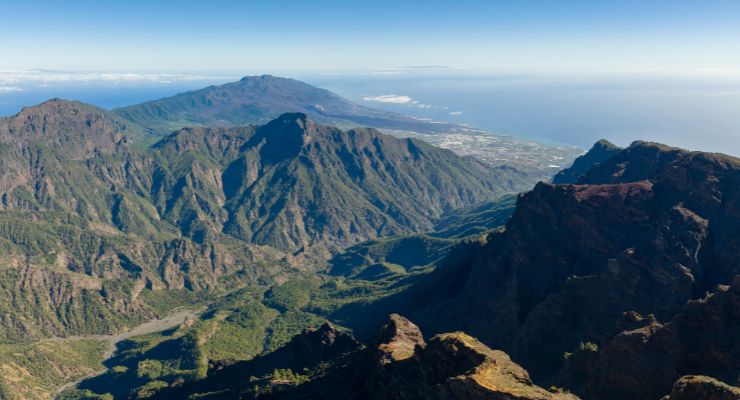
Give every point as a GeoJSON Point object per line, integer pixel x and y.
{"type": "Point", "coordinates": [573, 36]}
{"type": "Point", "coordinates": [565, 71]}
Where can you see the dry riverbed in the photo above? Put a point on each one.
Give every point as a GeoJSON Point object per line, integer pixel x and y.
{"type": "Point", "coordinates": [152, 326]}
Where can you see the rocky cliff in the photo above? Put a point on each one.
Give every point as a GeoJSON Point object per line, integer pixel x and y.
{"type": "Point", "coordinates": [326, 363]}
{"type": "Point", "coordinates": [650, 230]}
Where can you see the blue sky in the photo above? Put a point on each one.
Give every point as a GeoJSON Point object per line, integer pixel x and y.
{"type": "Point", "coordinates": [566, 71]}
{"type": "Point", "coordinates": [298, 36]}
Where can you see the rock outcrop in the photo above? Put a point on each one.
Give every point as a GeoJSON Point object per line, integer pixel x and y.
{"type": "Point", "coordinates": [645, 359]}
{"type": "Point", "coordinates": [648, 232]}
{"type": "Point", "coordinates": [458, 366]}
{"type": "Point", "coordinates": [399, 340]}
{"type": "Point", "coordinates": [326, 364]}
{"type": "Point", "coordinates": [702, 388]}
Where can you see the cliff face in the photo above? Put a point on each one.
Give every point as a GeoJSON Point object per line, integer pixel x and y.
{"type": "Point", "coordinates": [648, 356]}
{"type": "Point", "coordinates": [648, 231]}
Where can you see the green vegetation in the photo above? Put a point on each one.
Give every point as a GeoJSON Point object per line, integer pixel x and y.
{"type": "Point", "coordinates": [149, 389]}
{"type": "Point", "coordinates": [35, 371]}
{"type": "Point", "coordinates": [588, 346]}
{"type": "Point", "coordinates": [98, 235]}
{"type": "Point", "coordinates": [475, 220]}
{"type": "Point", "coordinates": [288, 377]}
{"type": "Point", "coordinates": [292, 295]}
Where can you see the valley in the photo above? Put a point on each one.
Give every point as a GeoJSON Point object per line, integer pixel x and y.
{"type": "Point", "coordinates": [369, 200]}
{"type": "Point", "coordinates": [182, 249]}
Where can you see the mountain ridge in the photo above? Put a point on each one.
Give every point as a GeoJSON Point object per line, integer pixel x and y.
{"type": "Point", "coordinates": [90, 218]}
{"type": "Point", "coordinates": [648, 230]}
{"type": "Point", "coordinates": [259, 99]}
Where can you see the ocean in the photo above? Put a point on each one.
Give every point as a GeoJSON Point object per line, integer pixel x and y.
{"type": "Point", "coordinates": [691, 112]}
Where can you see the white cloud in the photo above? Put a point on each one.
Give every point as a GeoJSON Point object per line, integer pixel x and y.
{"type": "Point", "coordinates": [400, 99]}
{"type": "Point", "coordinates": [10, 89]}
{"type": "Point", "coordinates": [390, 98]}
{"type": "Point", "coordinates": [397, 70]}
{"type": "Point", "coordinates": [456, 113]}
{"type": "Point", "coordinates": [42, 77]}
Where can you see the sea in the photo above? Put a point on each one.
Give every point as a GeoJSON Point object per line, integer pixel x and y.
{"type": "Point", "coordinates": [694, 112]}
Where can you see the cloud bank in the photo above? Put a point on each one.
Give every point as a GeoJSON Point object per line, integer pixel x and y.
{"type": "Point", "coordinates": [15, 79]}
{"type": "Point", "coordinates": [10, 89]}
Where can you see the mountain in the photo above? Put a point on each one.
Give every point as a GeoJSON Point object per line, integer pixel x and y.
{"type": "Point", "coordinates": [619, 283]}
{"type": "Point", "coordinates": [601, 151]}
{"type": "Point", "coordinates": [79, 129]}
{"type": "Point", "coordinates": [623, 286]}
{"type": "Point", "coordinates": [650, 230]}
{"type": "Point", "coordinates": [259, 99]}
{"type": "Point", "coordinates": [294, 184]}
{"type": "Point", "coordinates": [327, 363]}
{"type": "Point", "coordinates": [93, 226]}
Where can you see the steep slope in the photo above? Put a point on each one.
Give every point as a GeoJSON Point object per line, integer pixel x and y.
{"type": "Point", "coordinates": [384, 257]}
{"type": "Point", "coordinates": [83, 247]}
{"type": "Point", "coordinates": [655, 227]}
{"type": "Point", "coordinates": [92, 225]}
{"type": "Point", "coordinates": [476, 219]}
{"type": "Point", "coordinates": [562, 288]}
{"type": "Point", "coordinates": [600, 152]}
{"type": "Point", "coordinates": [294, 184]}
{"type": "Point", "coordinates": [646, 358]}
{"type": "Point", "coordinates": [259, 99]}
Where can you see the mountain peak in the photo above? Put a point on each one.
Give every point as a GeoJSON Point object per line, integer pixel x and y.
{"type": "Point", "coordinates": [285, 136]}
{"type": "Point", "coordinates": [291, 125]}
{"type": "Point", "coordinates": [260, 77]}
{"type": "Point", "coordinates": [57, 103]}
{"type": "Point", "coordinates": [300, 119]}
{"type": "Point", "coordinates": [603, 143]}
{"type": "Point", "coordinates": [600, 152]}
{"type": "Point", "coordinates": [76, 128]}
{"type": "Point", "coordinates": [637, 162]}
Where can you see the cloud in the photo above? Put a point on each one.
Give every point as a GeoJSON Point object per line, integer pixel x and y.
{"type": "Point", "coordinates": [391, 98]}
{"type": "Point", "coordinates": [401, 100]}
{"type": "Point", "coordinates": [397, 70]}
{"type": "Point", "coordinates": [427, 67]}
{"type": "Point", "coordinates": [456, 113]}
{"type": "Point", "coordinates": [43, 77]}
{"type": "Point", "coordinates": [10, 89]}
